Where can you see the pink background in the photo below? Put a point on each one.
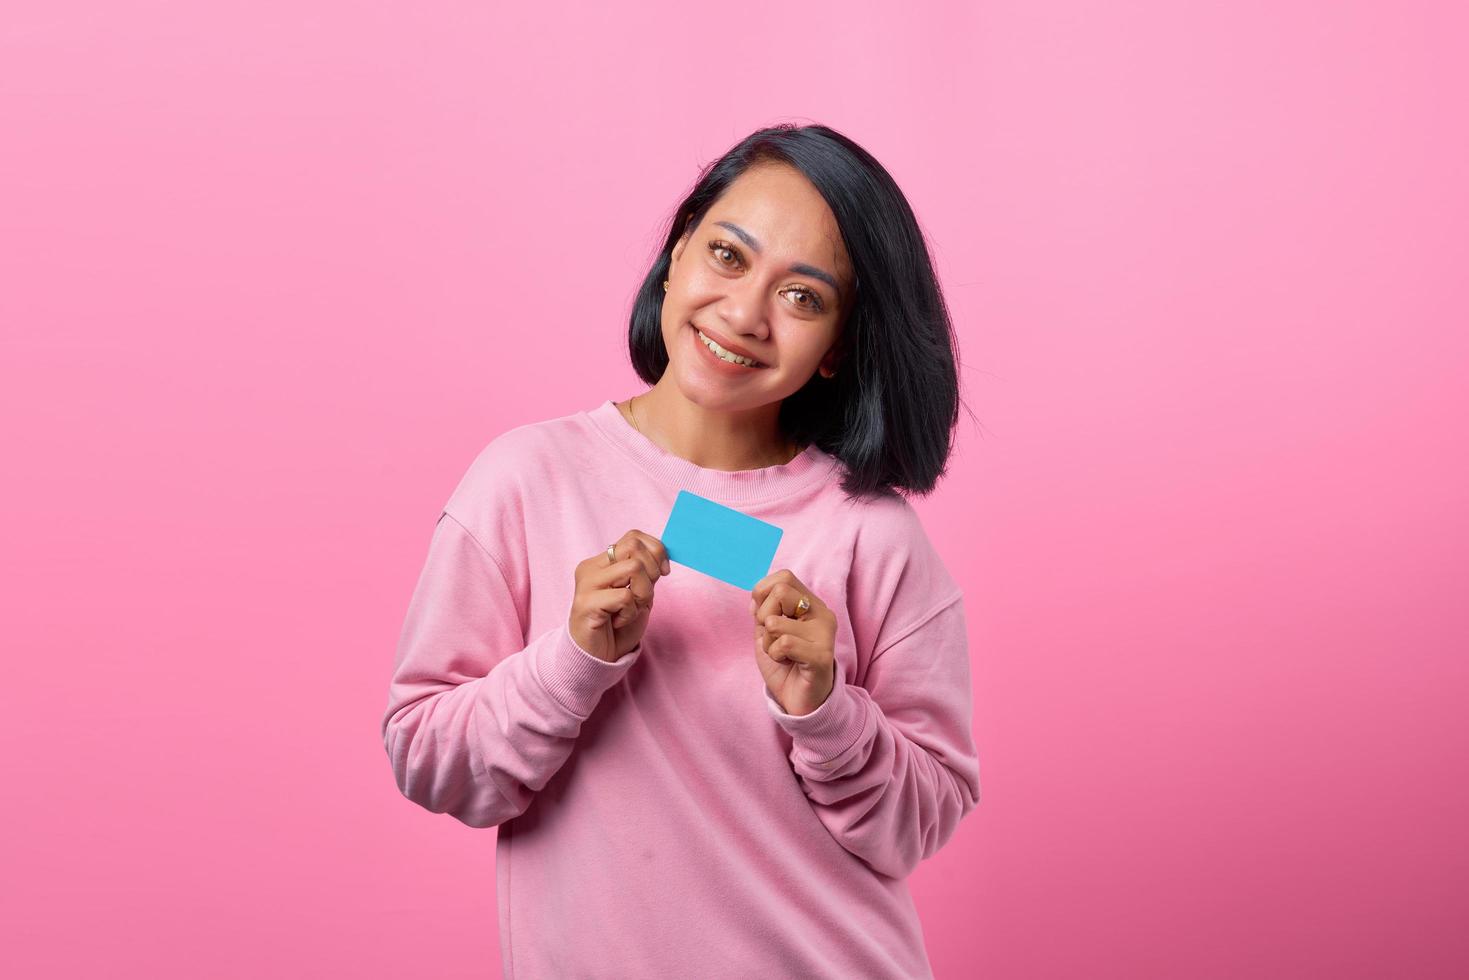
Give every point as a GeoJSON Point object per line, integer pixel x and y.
{"type": "Point", "coordinates": [271, 273]}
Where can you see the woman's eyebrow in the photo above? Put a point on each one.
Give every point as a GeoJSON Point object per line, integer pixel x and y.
{"type": "Point", "coordinates": [799, 268]}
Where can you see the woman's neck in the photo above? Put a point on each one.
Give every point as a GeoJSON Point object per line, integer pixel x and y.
{"type": "Point", "coordinates": [711, 439]}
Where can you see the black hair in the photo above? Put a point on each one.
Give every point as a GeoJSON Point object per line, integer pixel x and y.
{"type": "Point", "coordinates": [890, 410]}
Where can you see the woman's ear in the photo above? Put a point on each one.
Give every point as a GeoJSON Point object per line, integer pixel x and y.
{"type": "Point", "coordinates": [683, 240]}
{"type": "Point", "coordinates": [828, 365]}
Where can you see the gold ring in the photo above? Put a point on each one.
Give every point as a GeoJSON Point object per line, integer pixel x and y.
{"type": "Point", "coordinates": [803, 607]}
{"type": "Point", "coordinates": [611, 553]}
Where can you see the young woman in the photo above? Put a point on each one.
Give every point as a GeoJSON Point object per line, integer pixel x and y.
{"type": "Point", "coordinates": [718, 783]}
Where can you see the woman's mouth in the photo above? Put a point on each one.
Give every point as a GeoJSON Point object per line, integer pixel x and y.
{"type": "Point", "coordinates": [728, 360]}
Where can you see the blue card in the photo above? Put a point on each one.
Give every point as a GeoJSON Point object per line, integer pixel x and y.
{"type": "Point", "coordinates": [719, 541]}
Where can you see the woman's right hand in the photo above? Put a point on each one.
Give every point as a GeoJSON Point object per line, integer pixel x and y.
{"type": "Point", "coordinates": [609, 611]}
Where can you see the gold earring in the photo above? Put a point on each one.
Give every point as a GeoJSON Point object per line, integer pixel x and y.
{"type": "Point", "coordinates": [665, 285]}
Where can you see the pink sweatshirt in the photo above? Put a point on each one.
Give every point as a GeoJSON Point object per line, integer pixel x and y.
{"type": "Point", "coordinates": [660, 816]}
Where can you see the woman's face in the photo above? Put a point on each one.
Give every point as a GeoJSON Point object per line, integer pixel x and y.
{"type": "Point", "coordinates": [754, 278]}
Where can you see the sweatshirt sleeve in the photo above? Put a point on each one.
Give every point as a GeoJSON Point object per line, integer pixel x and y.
{"type": "Point", "coordinates": [890, 765]}
{"type": "Point", "coordinates": [478, 720]}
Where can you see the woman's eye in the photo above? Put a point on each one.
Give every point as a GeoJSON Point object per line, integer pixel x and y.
{"type": "Point", "coordinates": [716, 247]}
{"type": "Point", "coordinates": [815, 301]}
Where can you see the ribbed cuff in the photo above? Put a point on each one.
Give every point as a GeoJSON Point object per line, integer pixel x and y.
{"type": "Point", "coordinates": [575, 678]}
{"type": "Point", "coordinates": [824, 735]}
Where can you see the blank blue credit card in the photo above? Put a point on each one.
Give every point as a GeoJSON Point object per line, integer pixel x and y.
{"type": "Point", "coordinates": [719, 541]}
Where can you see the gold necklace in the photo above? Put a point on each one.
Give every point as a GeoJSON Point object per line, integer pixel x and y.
{"type": "Point", "coordinates": [634, 416]}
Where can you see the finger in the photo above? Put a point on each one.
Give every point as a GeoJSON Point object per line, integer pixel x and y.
{"type": "Point", "coordinates": [657, 553]}
{"type": "Point", "coordinates": [609, 603]}
{"type": "Point", "coordinates": [630, 610]}
{"type": "Point", "coordinates": [763, 657]}
{"type": "Point", "coordinates": [788, 650]}
{"type": "Point", "coordinates": [764, 661]}
{"type": "Point", "coordinates": [767, 636]}
{"type": "Point", "coordinates": [621, 606]}
{"type": "Point", "coordinates": [769, 601]}
{"type": "Point", "coordinates": [782, 600]}
{"type": "Point", "coordinates": [791, 649]}
{"type": "Point", "coordinates": [618, 574]}
{"type": "Point", "coordinates": [642, 547]}
{"type": "Point", "coordinates": [613, 600]}
{"type": "Point", "coordinates": [806, 629]}
{"type": "Point", "coordinates": [762, 588]}
{"type": "Point", "coordinates": [640, 584]}
{"type": "Point", "coordinates": [630, 548]}
{"type": "Point", "coordinates": [770, 607]}
{"type": "Point", "coordinates": [763, 639]}
{"type": "Point", "coordinates": [633, 588]}
{"type": "Point", "coordinates": [790, 600]}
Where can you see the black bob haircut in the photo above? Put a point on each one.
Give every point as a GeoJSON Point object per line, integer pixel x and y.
{"type": "Point", "coordinates": [890, 410]}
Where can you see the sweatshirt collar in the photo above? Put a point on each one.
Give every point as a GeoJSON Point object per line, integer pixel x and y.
{"type": "Point", "coordinates": [811, 466]}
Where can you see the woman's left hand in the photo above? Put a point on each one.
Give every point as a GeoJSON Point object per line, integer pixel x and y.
{"type": "Point", "coordinates": [796, 654]}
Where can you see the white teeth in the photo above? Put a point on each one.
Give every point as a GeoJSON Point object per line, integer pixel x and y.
{"type": "Point", "coordinates": [723, 354]}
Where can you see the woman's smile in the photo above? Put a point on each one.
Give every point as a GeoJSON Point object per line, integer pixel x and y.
{"type": "Point", "coordinates": [715, 361]}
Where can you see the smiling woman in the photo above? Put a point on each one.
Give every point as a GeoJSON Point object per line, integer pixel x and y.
{"type": "Point", "coordinates": [739, 784]}
{"type": "Point", "coordinates": [797, 250]}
